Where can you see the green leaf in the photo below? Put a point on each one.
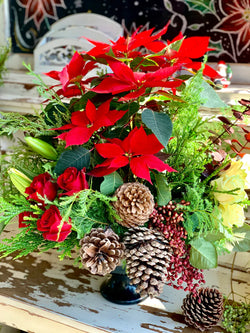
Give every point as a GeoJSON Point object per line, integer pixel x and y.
{"type": "Point", "coordinates": [111, 183]}
{"type": "Point", "coordinates": [203, 254]}
{"type": "Point", "coordinates": [159, 123]}
{"type": "Point", "coordinates": [77, 157]}
{"type": "Point", "coordinates": [209, 97]}
{"type": "Point", "coordinates": [163, 190]}
{"type": "Point", "coordinates": [132, 109]}
{"type": "Point", "coordinates": [214, 236]}
{"type": "Point", "coordinates": [242, 237]}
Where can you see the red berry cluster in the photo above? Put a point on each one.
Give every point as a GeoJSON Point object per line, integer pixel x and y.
{"type": "Point", "coordinates": [168, 219]}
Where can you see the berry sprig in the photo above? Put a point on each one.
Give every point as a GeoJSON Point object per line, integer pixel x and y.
{"type": "Point", "coordinates": [236, 317]}
{"type": "Point", "coordinates": [181, 274]}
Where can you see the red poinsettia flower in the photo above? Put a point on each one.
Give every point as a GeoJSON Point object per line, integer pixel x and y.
{"type": "Point", "coordinates": [85, 123]}
{"type": "Point", "coordinates": [137, 150]}
{"type": "Point", "coordinates": [124, 79]}
{"type": "Point", "coordinates": [191, 48]}
{"type": "Point", "coordinates": [126, 46]}
{"type": "Point", "coordinates": [38, 10]}
{"type": "Point", "coordinates": [73, 73]}
{"type": "Point", "coordinates": [236, 21]}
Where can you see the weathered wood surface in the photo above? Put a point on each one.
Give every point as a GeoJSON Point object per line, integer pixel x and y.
{"type": "Point", "coordinates": [41, 294]}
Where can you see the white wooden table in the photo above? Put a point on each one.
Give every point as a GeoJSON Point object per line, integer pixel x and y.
{"type": "Point", "coordinates": [41, 294]}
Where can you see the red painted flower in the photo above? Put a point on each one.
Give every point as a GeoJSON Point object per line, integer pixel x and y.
{"type": "Point", "coordinates": [124, 79]}
{"type": "Point", "coordinates": [52, 225]}
{"type": "Point", "coordinates": [85, 123]}
{"type": "Point", "coordinates": [72, 181]}
{"type": "Point", "coordinates": [236, 21]}
{"type": "Point", "coordinates": [38, 10]}
{"type": "Point", "coordinates": [73, 73]}
{"type": "Point", "coordinates": [137, 150]}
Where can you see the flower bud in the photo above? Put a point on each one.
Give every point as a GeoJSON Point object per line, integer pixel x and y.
{"type": "Point", "coordinates": [19, 180]}
{"type": "Point", "coordinates": [41, 147]}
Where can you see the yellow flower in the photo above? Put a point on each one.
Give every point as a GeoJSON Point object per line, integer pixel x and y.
{"type": "Point", "coordinates": [246, 166]}
{"type": "Point", "coordinates": [229, 183]}
{"type": "Point", "coordinates": [232, 215]}
{"type": "Point", "coordinates": [236, 168]}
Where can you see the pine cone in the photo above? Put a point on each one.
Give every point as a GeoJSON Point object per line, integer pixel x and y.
{"type": "Point", "coordinates": [134, 204]}
{"type": "Point", "coordinates": [101, 251]}
{"type": "Point", "coordinates": [203, 310]}
{"type": "Point", "coordinates": [148, 256]}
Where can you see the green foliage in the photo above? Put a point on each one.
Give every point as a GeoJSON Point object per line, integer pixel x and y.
{"type": "Point", "coordinates": [78, 157]}
{"type": "Point", "coordinates": [23, 159]}
{"type": "Point", "coordinates": [12, 122]}
{"type": "Point", "coordinates": [198, 213]}
{"type": "Point", "coordinates": [111, 183]}
{"type": "Point", "coordinates": [241, 238]}
{"type": "Point", "coordinates": [15, 205]}
{"type": "Point", "coordinates": [88, 209]}
{"type": "Point", "coordinates": [236, 317]}
{"type": "Point", "coordinates": [203, 254]}
{"type": "Point", "coordinates": [163, 190]}
{"type": "Point", "coordinates": [188, 149]}
{"type": "Point", "coordinates": [159, 123]}
{"type": "Point", "coordinates": [210, 98]}
{"type": "Point", "coordinates": [4, 52]}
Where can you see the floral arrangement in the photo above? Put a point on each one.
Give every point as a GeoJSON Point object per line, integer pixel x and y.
{"type": "Point", "coordinates": [119, 164]}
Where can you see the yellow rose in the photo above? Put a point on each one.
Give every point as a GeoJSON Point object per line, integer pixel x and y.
{"type": "Point", "coordinates": [236, 168]}
{"type": "Point", "coordinates": [229, 183]}
{"type": "Point", "coordinates": [246, 166]}
{"type": "Point", "coordinates": [232, 215]}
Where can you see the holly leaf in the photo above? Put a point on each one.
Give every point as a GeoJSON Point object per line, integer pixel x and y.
{"type": "Point", "coordinates": [77, 157]}
{"type": "Point", "coordinates": [159, 123]}
{"type": "Point", "coordinates": [111, 183]}
{"type": "Point", "coordinates": [203, 254]}
{"type": "Point", "coordinates": [163, 190]}
{"type": "Point", "coordinates": [242, 238]}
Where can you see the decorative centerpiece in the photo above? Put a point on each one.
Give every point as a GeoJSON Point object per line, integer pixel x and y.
{"type": "Point", "coordinates": [121, 167]}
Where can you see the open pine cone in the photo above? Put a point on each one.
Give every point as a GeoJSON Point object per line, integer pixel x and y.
{"type": "Point", "coordinates": [101, 251]}
{"type": "Point", "coordinates": [203, 310]}
{"type": "Point", "coordinates": [134, 204]}
{"type": "Point", "coordinates": [148, 256]}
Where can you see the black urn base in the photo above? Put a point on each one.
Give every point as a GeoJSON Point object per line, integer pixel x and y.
{"type": "Point", "coordinates": [117, 289]}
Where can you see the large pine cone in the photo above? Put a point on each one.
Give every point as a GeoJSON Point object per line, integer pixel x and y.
{"type": "Point", "coordinates": [203, 310]}
{"type": "Point", "coordinates": [148, 256]}
{"type": "Point", "coordinates": [134, 204]}
{"type": "Point", "coordinates": [101, 251]}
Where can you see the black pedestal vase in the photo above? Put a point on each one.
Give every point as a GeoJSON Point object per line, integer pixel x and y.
{"type": "Point", "coordinates": [117, 289]}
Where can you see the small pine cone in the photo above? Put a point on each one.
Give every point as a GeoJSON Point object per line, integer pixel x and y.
{"type": "Point", "coordinates": [148, 257]}
{"type": "Point", "coordinates": [101, 251]}
{"type": "Point", "coordinates": [203, 310]}
{"type": "Point", "coordinates": [134, 204]}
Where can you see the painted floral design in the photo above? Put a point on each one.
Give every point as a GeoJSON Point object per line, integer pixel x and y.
{"type": "Point", "coordinates": [38, 10]}
{"type": "Point", "coordinates": [236, 21]}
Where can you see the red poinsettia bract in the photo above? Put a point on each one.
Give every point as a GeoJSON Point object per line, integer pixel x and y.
{"type": "Point", "coordinates": [137, 150]}
{"type": "Point", "coordinates": [85, 123]}
{"type": "Point", "coordinates": [125, 47]}
{"type": "Point", "coordinates": [72, 73]}
{"type": "Point", "coordinates": [124, 79]}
